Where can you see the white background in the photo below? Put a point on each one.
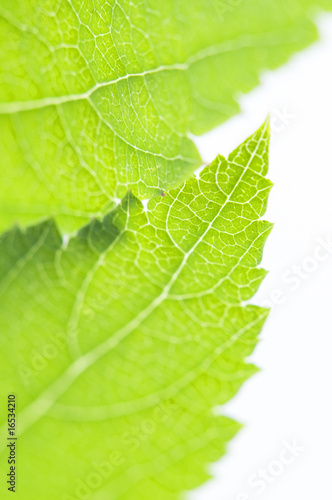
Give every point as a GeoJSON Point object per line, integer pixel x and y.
{"type": "Point", "coordinates": [291, 398]}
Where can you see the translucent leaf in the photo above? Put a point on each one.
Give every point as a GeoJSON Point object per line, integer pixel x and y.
{"type": "Point", "coordinates": [97, 96]}
{"type": "Point", "coordinates": [120, 344]}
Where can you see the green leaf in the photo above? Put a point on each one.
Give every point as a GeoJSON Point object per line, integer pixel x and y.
{"type": "Point", "coordinates": [120, 343]}
{"type": "Point", "coordinates": [98, 96]}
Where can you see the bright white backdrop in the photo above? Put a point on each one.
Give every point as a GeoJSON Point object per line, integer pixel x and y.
{"type": "Point", "coordinates": [291, 398]}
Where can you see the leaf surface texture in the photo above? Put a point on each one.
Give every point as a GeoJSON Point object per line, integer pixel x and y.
{"type": "Point", "coordinates": [121, 342]}
{"type": "Point", "coordinates": [97, 96]}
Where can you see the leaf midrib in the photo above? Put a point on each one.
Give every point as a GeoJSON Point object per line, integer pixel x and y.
{"type": "Point", "coordinates": [42, 404]}
{"type": "Point", "coordinates": [242, 42]}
